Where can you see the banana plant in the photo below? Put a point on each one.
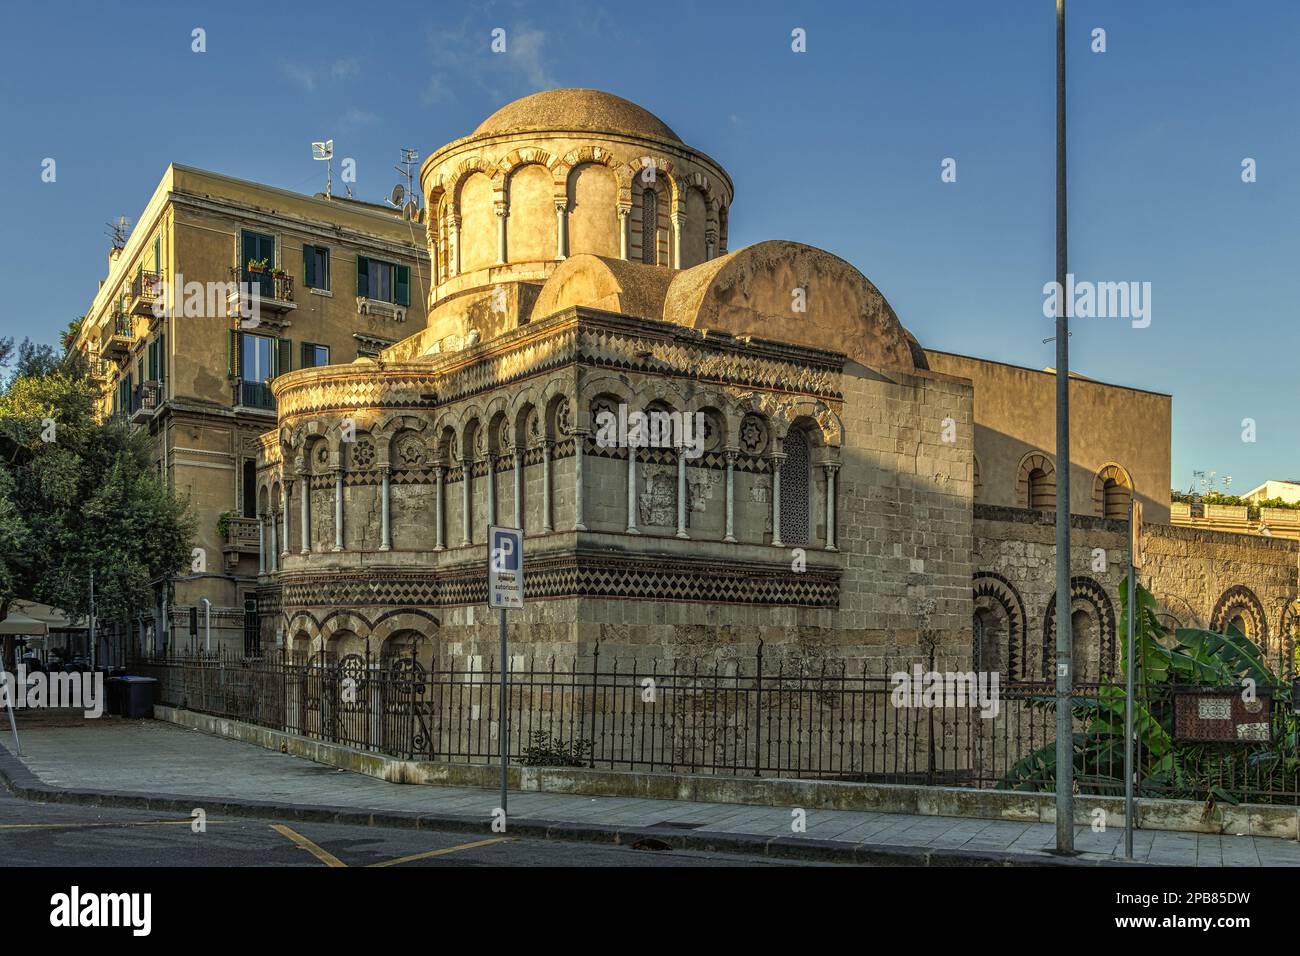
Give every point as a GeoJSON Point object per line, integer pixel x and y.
{"type": "Point", "coordinates": [1167, 767]}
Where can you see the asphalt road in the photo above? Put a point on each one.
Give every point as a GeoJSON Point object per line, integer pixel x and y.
{"type": "Point", "coordinates": [54, 834]}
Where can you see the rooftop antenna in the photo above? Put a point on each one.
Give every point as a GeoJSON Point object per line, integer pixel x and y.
{"type": "Point", "coordinates": [118, 232]}
{"type": "Point", "coordinates": [325, 150]}
{"type": "Point", "coordinates": [412, 207]}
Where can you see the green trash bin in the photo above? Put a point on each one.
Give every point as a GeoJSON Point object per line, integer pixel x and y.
{"type": "Point", "coordinates": [137, 696]}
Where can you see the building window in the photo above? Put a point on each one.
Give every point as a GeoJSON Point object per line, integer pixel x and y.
{"type": "Point", "coordinates": [796, 505]}
{"type": "Point", "coordinates": [255, 357]}
{"type": "Point", "coordinates": [384, 281]}
{"type": "Point", "coordinates": [250, 488]}
{"type": "Point", "coordinates": [649, 227]}
{"type": "Point", "coordinates": [316, 267]}
{"type": "Point", "coordinates": [314, 356]}
{"type": "Point", "coordinates": [1042, 491]}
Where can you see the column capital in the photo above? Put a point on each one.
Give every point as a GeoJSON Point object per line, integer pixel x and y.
{"type": "Point", "coordinates": [831, 467]}
{"type": "Point", "coordinates": [561, 205]}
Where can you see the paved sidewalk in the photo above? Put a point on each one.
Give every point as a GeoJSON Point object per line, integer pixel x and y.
{"type": "Point", "coordinates": [148, 759]}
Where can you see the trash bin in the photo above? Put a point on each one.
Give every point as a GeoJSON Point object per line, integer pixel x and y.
{"type": "Point", "coordinates": [113, 696]}
{"type": "Point", "coordinates": [136, 696]}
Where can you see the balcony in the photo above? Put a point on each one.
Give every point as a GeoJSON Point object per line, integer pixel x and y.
{"type": "Point", "coordinates": [143, 294]}
{"type": "Point", "coordinates": [145, 398]}
{"type": "Point", "coordinates": [240, 538]}
{"type": "Point", "coordinates": [254, 396]}
{"type": "Point", "coordinates": [257, 293]}
{"type": "Point", "coordinates": [121, 333]}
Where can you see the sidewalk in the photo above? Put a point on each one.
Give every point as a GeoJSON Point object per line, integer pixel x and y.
{"type": "Point", "coordinates": [164, 766]}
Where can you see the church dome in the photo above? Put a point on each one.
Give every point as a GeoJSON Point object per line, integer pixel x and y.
{"type": "Point", "coordinates": [576, 109]}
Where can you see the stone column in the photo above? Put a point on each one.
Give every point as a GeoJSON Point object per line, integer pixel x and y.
{"type": "Point", "coordinates": [624, 229]}
{"type": "Point", "coordinates": [631, 490]}
{"type": "Point", "coordinates": [730, 534]}
{"type": "Point", "coordinates": [275, 549]}
{"type": "Point", "coordinates": [261, 544]}
{"type": "Point", "coordinates": [385, 509]}
{"type": "Point", "coordinates": [831, 468]}
{"type": "Point", "coordinates": [546, 486]}
{"type": "Point", "coordinates": [561, 243]}
{"type": "Point", "coordinates": [285, 489]}
{"type": "Point", "coordinates": [304, 512]}
{"type": "Point", "coordinates": [501, 211]}
{"type": "Point", "coordinates": [439, 509]}
{"type": "Point", "coordinates": [579, 438]}
{"type": "Point", "coordinates": [491, 488]}
{"type": "Point", "coordinates": [677, 220]}
{"type": "Point", "coordinates": [338, 510]}
{"type": "Point", "coordinates": [777, 461]}
{"type": "Point", "coordinates": [466, 473]}
{"type": "Point", "coordinates": [682, 501]}
{"type": "Point", "coordinates": [519, 488]}
{"type": "Point", "coordinates": [710, 243]}
{"type": "Point", "coordinates": [453, 254]}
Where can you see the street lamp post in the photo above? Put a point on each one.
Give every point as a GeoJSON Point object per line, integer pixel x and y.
{"type": "Point", "coordinates": [1064, 639]}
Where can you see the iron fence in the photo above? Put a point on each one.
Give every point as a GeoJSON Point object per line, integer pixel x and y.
{"type": "Point", "coordinates": [744, 717]}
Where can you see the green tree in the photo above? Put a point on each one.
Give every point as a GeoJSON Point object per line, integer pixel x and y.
{"type": "Point", "coordinates": [78, 495]}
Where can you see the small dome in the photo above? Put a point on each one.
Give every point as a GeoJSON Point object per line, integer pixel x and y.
{"type": "Point", "coordinates": [586, 110]}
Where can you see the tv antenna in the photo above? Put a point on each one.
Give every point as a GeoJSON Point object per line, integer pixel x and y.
{"type": "Point", "coordinates": [118, 232]}
{"type": "Point", "coordinates": [325, 150]}
{"type": "Point", "coordinates": [411, 207]}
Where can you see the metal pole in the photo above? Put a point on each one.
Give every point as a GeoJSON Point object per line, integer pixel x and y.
{"type": "Point", "coordinates": [1128, 702]}
{"type": "Point", "coordinates": [93, 655]}
{"type": "Point", "coordinates": [1064, 641]}
{"type": "Point", "coordinates": [504, 715]}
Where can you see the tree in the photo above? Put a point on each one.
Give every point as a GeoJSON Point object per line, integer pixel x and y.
{"type": "Point", "coordinates": [78, 495]}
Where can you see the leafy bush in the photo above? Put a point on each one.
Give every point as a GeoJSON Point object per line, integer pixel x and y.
{"type": "Point", "coordinates": [547, 751]}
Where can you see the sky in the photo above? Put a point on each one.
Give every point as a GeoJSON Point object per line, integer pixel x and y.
{"type": "Point", "coordinates": [841, 146]}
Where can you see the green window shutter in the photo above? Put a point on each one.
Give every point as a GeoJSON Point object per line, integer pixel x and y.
{"type": "Point", "coordinates": [162, 357]}
{"type": "Point", "coordinates": [249, 249]}
{"type": "Point", "coordinates": [232, 354]}
{"type": "Point", "coordinates": [305, 354]}
{"type": "Point", "coordinates": [157, 254]}
{"type": "Point", "coordinates": [284, 357]}
{"type": "Point", "coordinates": [309, 267]}
{"type": "Point", "coordinates": [403, 285]}
{"type": "Point", "coordinates": [363, 276]}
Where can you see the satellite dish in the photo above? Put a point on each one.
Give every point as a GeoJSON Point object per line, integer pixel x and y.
{"type": "Point", "coordinates": [412, 211]}
{"type": "Point", "coordinates": [398, 194]}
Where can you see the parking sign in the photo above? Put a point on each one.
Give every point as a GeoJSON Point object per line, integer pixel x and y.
{"type": "Point", "coordinates": [505, 567]}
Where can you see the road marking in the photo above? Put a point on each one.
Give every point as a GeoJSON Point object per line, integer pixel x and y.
{"type": "Point", "coordinates": [443, 852]}
{"type": "Point", "coordinates": [65, 826]}
{"type": "Point", "coordinates": [325, 856]}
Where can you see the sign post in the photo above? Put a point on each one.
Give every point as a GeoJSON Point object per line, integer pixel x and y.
{"type": "Point", "coordinates": [505, 590]}
{"type": "Point", "coordinates": [1134, 562]}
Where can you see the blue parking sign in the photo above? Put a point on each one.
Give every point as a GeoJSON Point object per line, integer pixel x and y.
{"type": "Point", "coordinates": [505, 567]}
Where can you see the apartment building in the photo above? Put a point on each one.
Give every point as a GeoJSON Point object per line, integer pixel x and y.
{"type": "Point", "coordinates": [223, 285]}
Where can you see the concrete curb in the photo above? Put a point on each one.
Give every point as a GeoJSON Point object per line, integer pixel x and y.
{"type": "Point", "coordinates": [24, 784]}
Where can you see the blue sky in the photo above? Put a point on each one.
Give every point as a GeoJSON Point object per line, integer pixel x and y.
{"type": "Point", "coordinates": [839, 147]}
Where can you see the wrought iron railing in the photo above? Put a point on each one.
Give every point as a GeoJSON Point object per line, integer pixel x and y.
{"type": "Point", "coordinates": [743, 716]}
{"type": "Point", "coordinates": [254, 395]}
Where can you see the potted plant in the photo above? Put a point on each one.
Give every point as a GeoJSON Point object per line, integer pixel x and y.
{"type": "Point", "coordinates": [257, 265]}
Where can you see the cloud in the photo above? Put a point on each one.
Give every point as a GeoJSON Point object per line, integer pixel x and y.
{"type": "Point", "coordinates": [462, 54]}
{"type": "Point", "coordinates": [309, 78]}
{"type": "Point", "coordinates": [345, 68]}
{"type": "Point", "coordinates": [301, 75]}
{"type": "Point", "coordinates": [356, 118]}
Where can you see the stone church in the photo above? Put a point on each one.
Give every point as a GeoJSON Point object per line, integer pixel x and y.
{"type": "Point", "coordinates": [853, 495]}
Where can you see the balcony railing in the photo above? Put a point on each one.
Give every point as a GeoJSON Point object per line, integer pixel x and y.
{"type": "Point", "coordinates": [254, 395]}
{"type": "Point", "coordinates": [144, 400]}
{"type": "Point", "coordinates": [120, 333]}
{"type": "Point", "coordinates": [273, 290]}
{"type": "Point", "coordinates": [144, 292]}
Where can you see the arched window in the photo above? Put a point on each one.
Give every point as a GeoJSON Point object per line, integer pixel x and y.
{"type": "Point", "coordinates": [796, 507]}
{"type": "Point", "coordinates": [649, 227]}
{"type": "Point", "coordinates": [1083, 644]}
{"type": "Point", "coordinates": [1112, 492]}
{"type": "Point", "coordinates": [1042, 490]}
